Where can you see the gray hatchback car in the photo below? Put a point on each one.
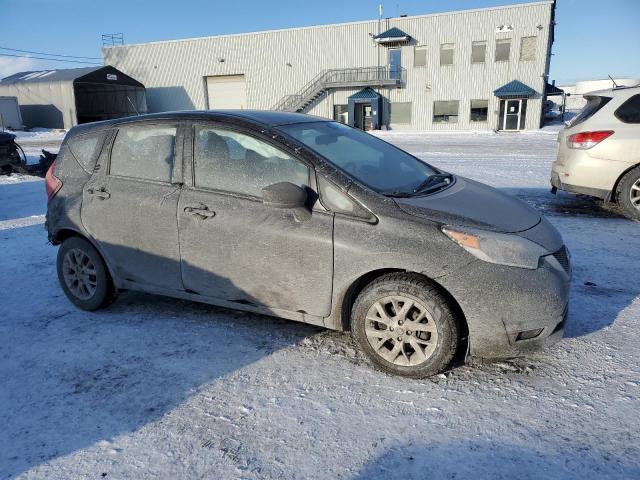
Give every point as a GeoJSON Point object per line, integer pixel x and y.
{"type": "Point", "coordinates": [307, 219]}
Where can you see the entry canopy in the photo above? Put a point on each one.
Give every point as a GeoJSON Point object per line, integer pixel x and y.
{"type": "Point", "coordinates": [551, 90]}
{"type": "Point", "coordinates": [393, 35]}
{"type": "Point", "coordinates": [514, 89]}
{"type": "Point", "coordinates": [365, 94]}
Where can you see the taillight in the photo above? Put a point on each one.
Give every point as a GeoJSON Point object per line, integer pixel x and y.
{"type": "Point", "coordinates": [52, 183]}
{"type": "Point", "coordinates": [586, 140]}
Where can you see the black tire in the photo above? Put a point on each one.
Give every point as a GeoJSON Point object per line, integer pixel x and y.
{"type": "Point", "coordinates": [625, 195]}
{"type": "Point", "coordinates": [430, 302]}
{"type": "Point", "coordinates": [104, 292]}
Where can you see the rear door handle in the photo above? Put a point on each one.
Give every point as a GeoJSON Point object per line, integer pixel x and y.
{"type": "Point", "coordinates": [200, 211]}
{"type": "Point", "coordinates": [101, 193]}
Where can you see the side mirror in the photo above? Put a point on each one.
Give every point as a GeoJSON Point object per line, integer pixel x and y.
{"type": "Point", "coordinates": [284, 195]}
{"type": "Point", "coordinates": [289, 196]}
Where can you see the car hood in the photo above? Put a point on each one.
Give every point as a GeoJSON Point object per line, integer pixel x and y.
{"type": "Point", "coordinates": [473, 204]}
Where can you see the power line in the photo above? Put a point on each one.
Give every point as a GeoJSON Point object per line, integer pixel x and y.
{"type": "Point", "coordinates": [50, 54]}
{"type": "Point", "coordinates": [50, 59]}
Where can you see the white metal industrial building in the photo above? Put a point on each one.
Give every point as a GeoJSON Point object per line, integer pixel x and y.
{"type": "Point", "coordinates": [474, 69]}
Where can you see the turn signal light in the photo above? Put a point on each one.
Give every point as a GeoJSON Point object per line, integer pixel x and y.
{"type": "Point", "coordinates": [586, 140]}
{"type": "Point", "coordinates": [462, 239]}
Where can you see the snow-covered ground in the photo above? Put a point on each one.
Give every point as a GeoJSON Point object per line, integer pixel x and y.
{"type": "Point", "coordinates": [159, 388]}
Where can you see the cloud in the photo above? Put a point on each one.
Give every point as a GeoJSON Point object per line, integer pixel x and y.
{"type": "Point", "coordinates": [11, 65]}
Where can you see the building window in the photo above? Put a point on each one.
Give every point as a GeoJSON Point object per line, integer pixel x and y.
{"type": "Point", "coordinates": [503, 49]}
{"type": "Point", "coordinates": [446, 53]}
{"type": "Point", "coordinates": [341, 113]}
{"type": "Point", "coordinates": [527, 49]}
{"type": "Point", "coordinates": [420, 57]}
{"type": "Point", "coordinates": [479, 110]}
{"type": "Point", "coordinates": [445, 111]}
{"type": "Point", "coordinates": [400, 113]}
{"type": "Point", "coordinates": [478, 52]}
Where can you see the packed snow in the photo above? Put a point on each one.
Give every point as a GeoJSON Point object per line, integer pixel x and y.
{"type": "Point", "coordinates": [160, 388]}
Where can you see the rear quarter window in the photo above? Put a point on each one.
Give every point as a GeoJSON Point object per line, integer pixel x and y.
{"type": "Point", "coordinates": [594, 104]}
{"type": "Point", "coordinates": [629, 111]}
{"type": "Point", "coordinates": [85, 149]}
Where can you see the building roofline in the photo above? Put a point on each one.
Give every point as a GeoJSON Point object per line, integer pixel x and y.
{"type": "Point", "coordinates": [310, 27]}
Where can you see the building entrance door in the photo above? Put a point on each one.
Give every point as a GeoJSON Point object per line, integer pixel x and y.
{"type": "Point", "coordinates": [363, 116]}
{"type": "Point", "coordinates": [512, 114]}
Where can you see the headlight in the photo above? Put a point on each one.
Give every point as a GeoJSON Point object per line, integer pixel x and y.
{"type": "Point", "coordinates": [500, 248]}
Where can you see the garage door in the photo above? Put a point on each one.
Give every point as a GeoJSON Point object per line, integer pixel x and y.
{"type": "Point", "coordinates": [227, 91]}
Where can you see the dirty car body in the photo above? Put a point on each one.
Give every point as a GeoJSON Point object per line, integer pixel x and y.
{"type": "Point", "coordinates": [243, 239]}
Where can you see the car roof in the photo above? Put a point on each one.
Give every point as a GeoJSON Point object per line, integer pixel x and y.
{"type": "Point", "coordinates": [609, 92]}
{"type": "Point", "coordinates": [266, 118]}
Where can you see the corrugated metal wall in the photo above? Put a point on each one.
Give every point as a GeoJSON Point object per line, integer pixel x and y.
{"type": "Point", "coordinates": [174, 72]}
{"type": "Point", "coordinates": [50, 104]}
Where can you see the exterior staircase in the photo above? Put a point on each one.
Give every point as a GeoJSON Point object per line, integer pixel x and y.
{"type": "Point", "coordinates": [340, 77]}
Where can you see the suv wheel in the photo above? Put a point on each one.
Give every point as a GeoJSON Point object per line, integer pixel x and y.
{"type": "Point", "coordinates": [83, 275]}
{"type": "Point", "coordinates": [628, 193]}
{"type": "Point", "coordinates": [405, 325]}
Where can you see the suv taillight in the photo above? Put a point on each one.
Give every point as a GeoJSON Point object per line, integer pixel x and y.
{"type": "Point", "coordinates": [52, 183]}
{"type": "Point", "coordinates": [586, 140]}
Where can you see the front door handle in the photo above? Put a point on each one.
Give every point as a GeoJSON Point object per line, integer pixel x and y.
{"type": "Point", "coordinates": [101, 193]}
{"type": "Point", "coordinates": [200, 211]}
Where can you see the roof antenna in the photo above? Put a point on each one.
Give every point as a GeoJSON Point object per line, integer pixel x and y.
{"type": "Point", "coordinates": [615, 85]}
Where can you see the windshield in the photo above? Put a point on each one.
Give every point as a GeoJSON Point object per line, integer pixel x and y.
{"type": "Point", "coordinates": [374, 163]}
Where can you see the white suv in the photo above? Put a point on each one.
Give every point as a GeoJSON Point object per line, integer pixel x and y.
{"type": "Point", "coordinates": [599, 151]}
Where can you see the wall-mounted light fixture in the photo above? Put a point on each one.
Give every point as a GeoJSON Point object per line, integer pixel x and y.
{"type": "Point", "coordinates": [221, 60]}
{"type": "Point", "coordinates": [288, 64]}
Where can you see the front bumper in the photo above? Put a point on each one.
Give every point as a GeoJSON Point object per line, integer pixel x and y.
{"type": "Point", "coordinates": [512, 311]}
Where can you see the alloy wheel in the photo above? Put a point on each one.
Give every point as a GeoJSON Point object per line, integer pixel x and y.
{"type": "Point", "coordinates": [79, 274]}
{"type": "Point", "coordinates": [634, 194]}
{"type": "Point", "coordinates": [401, 330]}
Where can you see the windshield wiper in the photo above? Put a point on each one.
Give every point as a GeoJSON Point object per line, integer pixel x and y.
{"type": "Point", "coordinates": [435, 180]}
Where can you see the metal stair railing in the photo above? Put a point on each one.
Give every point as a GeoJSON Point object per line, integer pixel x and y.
{"type": "Point", "coordinates": [336, 77]}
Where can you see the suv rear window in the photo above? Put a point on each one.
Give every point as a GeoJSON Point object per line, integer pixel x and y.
{"type": "Point", "coordinates": [629, 111]}
{"type": "Point", "coordinates": [594, 103]}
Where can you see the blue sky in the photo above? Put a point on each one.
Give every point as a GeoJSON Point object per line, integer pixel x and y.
{"type": "Point", "coordinates": [593, 38]}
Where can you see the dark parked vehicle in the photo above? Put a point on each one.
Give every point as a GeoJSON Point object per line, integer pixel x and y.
{"type": "Point", "coordinates": [307, 219]}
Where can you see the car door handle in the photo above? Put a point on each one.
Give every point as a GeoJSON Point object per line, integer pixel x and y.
{"type": "Point", "coordinates": [101, 193]}
{"type": "Point", "coordinates": [202, 212]}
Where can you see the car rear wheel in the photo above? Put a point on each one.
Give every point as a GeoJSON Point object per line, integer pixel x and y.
{"type": "Point", "coordinates": [405, 325]}
{"type": "Point", "coordinates": [628, 193]}
{"type": "Point", "coordinates": [83, 275]}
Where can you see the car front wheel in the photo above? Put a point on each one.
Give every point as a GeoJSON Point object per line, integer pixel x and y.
{"type": "Point", "coordinates": [405, 325]}
{"type": "Point", "coordinates": [83, 275]}
{"type": "Point", "coordinates": [628, 193]}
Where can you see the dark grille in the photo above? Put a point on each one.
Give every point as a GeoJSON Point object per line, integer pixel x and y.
{"type": "Point", "coordinates": [563, 258]}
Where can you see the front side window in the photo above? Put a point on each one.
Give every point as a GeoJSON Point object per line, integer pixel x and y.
{"type": "Point", "coordinates": [373, 162]}
{"type": "Point", "coordinates": [445, 111]}
{"type": "Point", "coordinates": [144, 152]}
{"type": "Point", "coordinates": [446, 53]}
{"type": "Point", "coordinates": [503, 49]}
{"type": "Point", "coordinates": [479, 110]}
{"type": "Point", "coordinates": [420, 57]}
{"type": "Point", "coordinates": [478, 52]}
{"type": "Point", "coordinates": [235, 162]}
{"type": "Point", "coordinates": [528, 49]}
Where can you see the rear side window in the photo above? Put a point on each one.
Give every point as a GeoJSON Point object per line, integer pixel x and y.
{"type": "Point", "coordinates": [235, 162]}
{"type": "Point", "coordinates": [85, 149]}
{"type": "Point", "coordinates": [594, 103]}
{"type": "Point", "coordinates": [629, 111]}
{"type": "Point", "coordinates": [144, 152]}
